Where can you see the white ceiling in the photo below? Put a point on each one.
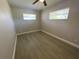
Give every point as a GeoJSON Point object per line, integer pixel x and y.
{"type": "Point", "coordinates": [28, 4]}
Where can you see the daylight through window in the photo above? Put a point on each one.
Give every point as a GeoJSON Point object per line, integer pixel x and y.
{"type": "Point", "coordinates": [59, 14]}
{"type": "Point", "coordinates": [29, 16]}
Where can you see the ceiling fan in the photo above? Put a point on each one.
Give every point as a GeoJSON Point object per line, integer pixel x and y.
{"type": "Point", "coordinates": [43, 1]}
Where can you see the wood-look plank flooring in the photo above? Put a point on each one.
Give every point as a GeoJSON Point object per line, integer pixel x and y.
{"type": "Point", "coordinates": [39, 45]}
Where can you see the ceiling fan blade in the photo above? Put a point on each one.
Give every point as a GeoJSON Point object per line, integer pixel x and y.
{"type": "Point", "coordinates": [35, 1]}
{"type": "Point", "coordinates": [45, 4]}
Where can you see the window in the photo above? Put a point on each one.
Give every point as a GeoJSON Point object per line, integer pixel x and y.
{"type": "Point", "coordinates": [29, 16]}
{"type": "Point", "coordinates": [60, 14]}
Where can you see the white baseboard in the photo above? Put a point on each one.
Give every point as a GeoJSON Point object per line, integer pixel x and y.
{"type": "Point", "coordinates": [28, 32]}
{"type": "Point", "coordinates": [66, 41]}
{"type": "Point", "coordinates": [13, 57]}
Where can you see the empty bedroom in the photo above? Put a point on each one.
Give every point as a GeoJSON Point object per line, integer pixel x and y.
{"type": "Point", "coordinates": [39, 29]}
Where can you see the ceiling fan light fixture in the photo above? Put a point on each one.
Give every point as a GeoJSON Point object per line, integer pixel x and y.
{"type": "Point", "coordinates": [41, 1]}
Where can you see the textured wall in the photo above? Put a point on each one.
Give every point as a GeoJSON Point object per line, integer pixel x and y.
{"type": "Point", "coordinates": [7, 31]}
{"type": "Point", "coordinates": [69, 29]}
{"type": "Point", "coordinates": [25, 25]}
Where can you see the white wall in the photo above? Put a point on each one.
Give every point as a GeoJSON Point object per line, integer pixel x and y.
{"type": "Point", "coordinates": [69, 29]}
{"type": "Point", "coordinates": [24, 25]}
{"type": "Point", "coordinates": [7, 31]}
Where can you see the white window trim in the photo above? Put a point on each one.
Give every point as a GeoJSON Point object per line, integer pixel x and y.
{"type": "Point", "coordinates": [65, 16]}
{"type": "Point", "coordinates": [26, 16]}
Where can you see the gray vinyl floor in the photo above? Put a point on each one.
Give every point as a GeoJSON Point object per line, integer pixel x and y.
{"type": "Point", "coordinates": [39, 45]}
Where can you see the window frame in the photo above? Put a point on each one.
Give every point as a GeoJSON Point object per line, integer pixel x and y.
{"type": "Point", "coordinates": [66, 18]}
{"type": "Point", "coordinates": [29, 15]}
